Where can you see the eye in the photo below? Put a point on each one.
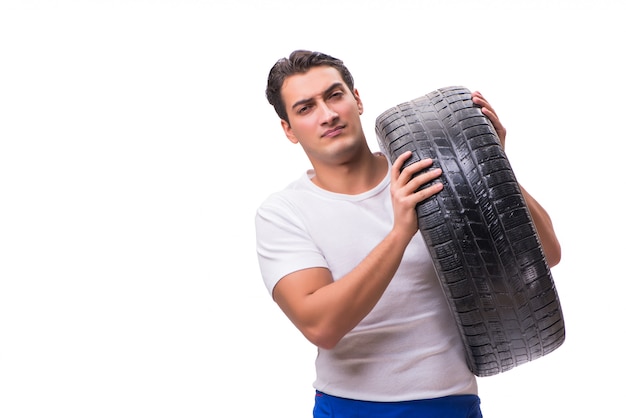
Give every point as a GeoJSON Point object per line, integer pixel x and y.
{"type": "Point", "coordinates": [303, 110]}
{"type": "Point", "coordinates": [337, 94]}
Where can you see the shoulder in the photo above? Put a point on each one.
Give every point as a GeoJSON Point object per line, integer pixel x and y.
{"type": "Point", "coordinates": [296, 193]}
{"type": "Point", "coordinates": [283, 206]}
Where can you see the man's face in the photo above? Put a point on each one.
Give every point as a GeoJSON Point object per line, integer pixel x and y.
{"type": "Point", "coordinates": [324, 115]}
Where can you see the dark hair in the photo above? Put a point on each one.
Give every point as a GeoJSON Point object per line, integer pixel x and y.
{"type": "Point", "coordinates": [299, 62]}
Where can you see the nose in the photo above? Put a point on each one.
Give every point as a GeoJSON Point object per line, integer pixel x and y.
{"type": "Point", "coordinates": [328, 114]}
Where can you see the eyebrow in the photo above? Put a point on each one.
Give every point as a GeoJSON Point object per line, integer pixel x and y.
{"type": "Point", "coordinates": [325, 93]}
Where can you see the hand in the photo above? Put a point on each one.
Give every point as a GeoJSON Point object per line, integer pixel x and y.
{"type": "Point", "coordinates": [405, 194]}
{"type": "Point", "coordinates": [488, 111]}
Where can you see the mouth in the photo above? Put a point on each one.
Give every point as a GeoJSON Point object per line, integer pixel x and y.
{"type": "Point", "coordinates": [331, 133]}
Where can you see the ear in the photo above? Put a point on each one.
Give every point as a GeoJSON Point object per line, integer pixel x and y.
{"type": "Point", "coordinates": [288, 131]}
{"type": "Point", "coordinates": [358, 101]}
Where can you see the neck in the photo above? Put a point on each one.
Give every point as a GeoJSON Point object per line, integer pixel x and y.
{"type": "Point", "coordinates": [354, 177]}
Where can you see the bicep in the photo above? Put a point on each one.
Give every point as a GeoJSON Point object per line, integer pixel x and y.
{"type": "Point", "coordinates": [293, 291]}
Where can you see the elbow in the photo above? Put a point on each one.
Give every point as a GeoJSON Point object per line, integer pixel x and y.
{"type": "Point", "coordinates": [326, 344]}
{"type": "Point", "coordinates": [554, 259]}
{"type": "Point", "coordinates": [553, 254]}
{"type": "Point", "coordinates": [322, 338]}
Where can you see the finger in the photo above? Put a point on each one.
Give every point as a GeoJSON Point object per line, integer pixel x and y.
{"type": "Point", "coordinates": [484, 105]}
{"type": "Point", "coordinates": [398, 168]}
{"type": "Point", "coordinates": [429, 191]}
{"type": "Point", "coordinates": [403, 158]}
{"type": "Point", "coordinates": [490, 115]}
{"type": "Point", "coordinates": [420, 195]}
{"type": "Point", "coordinates": [495, 121]}
{"type": "Point", "coordinates": [424, 178]}
{"type": "Point", "coordinates": [479, 100]}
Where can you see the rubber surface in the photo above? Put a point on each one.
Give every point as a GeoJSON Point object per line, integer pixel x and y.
{"type": "Point", "coordinates": [479, 231]}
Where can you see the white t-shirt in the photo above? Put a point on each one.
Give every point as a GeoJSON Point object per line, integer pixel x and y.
{"type": "Point", "coordinates": [408, 346]}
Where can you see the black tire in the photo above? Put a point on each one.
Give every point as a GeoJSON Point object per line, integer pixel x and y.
{"type": "Point", "coordinates": [479, 232]}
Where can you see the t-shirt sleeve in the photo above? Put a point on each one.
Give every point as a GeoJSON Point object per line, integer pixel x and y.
{"type": "Point", "coordinates": [283, 242]}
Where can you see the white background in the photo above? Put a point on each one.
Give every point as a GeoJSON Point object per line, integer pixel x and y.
{"type": "Point", "coordinates": [136, 144]}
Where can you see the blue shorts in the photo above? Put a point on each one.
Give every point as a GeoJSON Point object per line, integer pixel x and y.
{"type": "Point", "coordinates": [459, 406]}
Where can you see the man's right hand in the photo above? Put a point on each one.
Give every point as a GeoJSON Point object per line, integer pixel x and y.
{"type": "Point", "coordinates": [405, 193]}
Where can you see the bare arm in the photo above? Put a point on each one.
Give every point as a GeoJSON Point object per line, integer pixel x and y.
{"type": "Point", "coordinates": [541, 219]}
{"type": "Point", "coordinates": [325, 310]}
{"type": "Point", "coordinates": [543, 223]}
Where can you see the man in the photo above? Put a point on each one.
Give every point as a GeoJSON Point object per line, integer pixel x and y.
{"type": "Point", "coordinates": [340, 252]}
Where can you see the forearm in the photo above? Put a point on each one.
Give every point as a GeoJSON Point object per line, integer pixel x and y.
{"type": "Point", "coordinates": [356, 294]}
{"type": "Point", "coordinates": [328, 313]}
{"type": "Point", "coordinates": [545, 229]}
